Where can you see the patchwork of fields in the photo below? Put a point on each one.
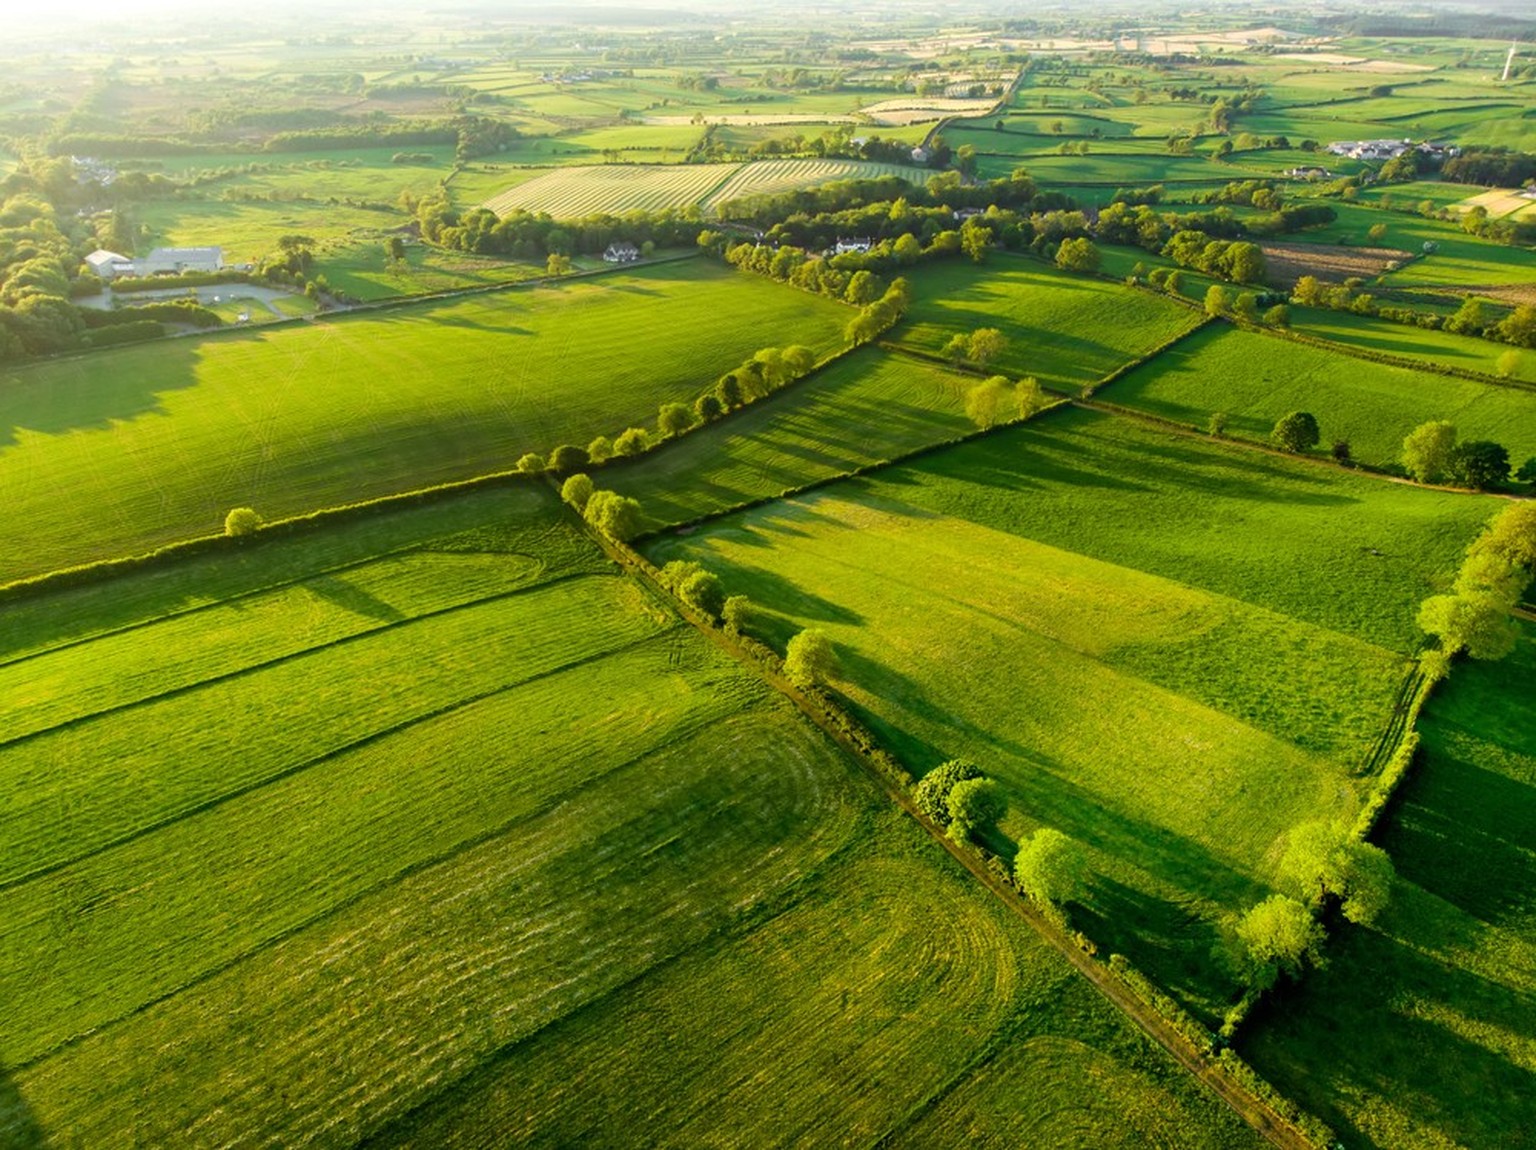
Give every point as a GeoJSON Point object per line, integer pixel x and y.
{"type": "Point", "coordinates": [288, 420]}
{"type": "Point", "coordinates": [585, 858]}
{"type": "Point", "coordinates": [1424, 1019]}
{"type": "Point", "coordinates": [1257, 379]}
{"type": "Point", "coordinates": [1175, 676]}
{"type": "Point", "coordinates": [572, 192]}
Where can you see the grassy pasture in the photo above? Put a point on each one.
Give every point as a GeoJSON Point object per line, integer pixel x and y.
{"type": "Point", "coordinates": [360, 267]}
{"type": "Point", "coordinates": [1055, 322]}
{"type": "Point", "coordinates": [1170, 651]}
{"type": "Point", "coordinates": [577, 829]}
{"type": "Point", "coordinates": [1424, 1020]}
{"type": "Point", "coordinates": [295, 418]}
{"type": "Point", "coordinates": [1255, 380]}
{"type": "Point", "coordinates": [1440, 347]}
{"type": "Point", "coordinates": [868, 407]}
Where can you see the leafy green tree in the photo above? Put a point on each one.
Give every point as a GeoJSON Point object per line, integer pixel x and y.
{"type": "Point", "coordinates": [809, 660]}
{"type": "Point", "coordinates": [1078, 255]}
{"type": "Point", "coordinates": [1473, 317]}
{"type": "Point", "coordinates": [1340, 452]}
{"type": "Point", "coordinates": [674, 419]}
{"type": "Point", "coordinates": [567, 458]}
{"type": "Point", "coordinates": [985, 345]}
{"type": "Point", "coordinates": [1052, 867]}
{"type": "Point", "coordinates": [614, 515]}
{"type": "Point", "coordinates": [631, 442]}
{"type": "Point", "coordinates": [395, 249]}
{"type": "Point", "coordinates": [957, 349]}
{"type": "Point", "coordinates": [1296, 432]}
{"type": "Point", "coordinates": [600, 450]}
{"type": "Point", "coordinates": [863, 289]}
{"type": "Point", "coordinates": [1324, 860]}
{"type": "Point", "coordinates": [798, 360]}
{"type": "Point", "coordinates": [577, 490]}
{"type": "Point", "coordinates": [983, 400]}
{"type": "Point", "coordinates": [557, 264]}
{"type": "Point", "coordinates": [736, 613]}
{"type": "Point", "coordinates": [975, 240]}
{"type": "Point", "coordinates": [1527, 472]}
{"type": "Point", "coordinates": [1218, 425]}
{"type": "Point", "coordinates": [531, 464]}
{"type": "Point", "coordinates": [1028, 397]}
{"type": "Point", "coordinates": [1427, 450]}
{"type": "Point", "coordinates": [1218, 301]}
{"type": "Point", "coordinates": [932, 791]}
{"type": "Point", "coordinates": [1245, 263]}
{"type": "Point", "coordinates": [728, 392]}
{"type": "Point", "coordinates": [1278, 316]}
{"type": "Point", "coordinates": [908, 249]}
{"type": "Point", "coordinates": [1478, 624]}
{"type": "Point", "coordinates": [1246, 307]}
{"type": "Point", "coordinates": [1278, 936]}
{"type": "Point", "coordinates": [241, 521]}
{"type": "Point", "coordinates": [708, 408]}
{"type": "Point", "coordinates": [1376, 233]}
{"type": "Point", "coordinates": [1478, 463]}
{"type": "Point", "coordinates": [702, 590]}
{"type": "Point", "coordinates": [1518, 327]}
{"type": "Point", "coordinates": [974, 805]}
{"type": "Point", "coordinates": [1511, 535]}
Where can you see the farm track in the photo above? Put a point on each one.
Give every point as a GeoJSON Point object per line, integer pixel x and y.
{"type": "Point", "coordinates": [372, 737]}
{"type": "Point", "coordinates": [1246, 1105]}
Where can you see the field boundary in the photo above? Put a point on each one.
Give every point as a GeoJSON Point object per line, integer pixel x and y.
{"type": "Point", "coordinates": [1216, 1073]}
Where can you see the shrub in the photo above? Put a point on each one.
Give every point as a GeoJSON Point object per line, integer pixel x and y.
{"type": "Point", "coordinates": [241, 521]}
{"type": "Point", "coordinates": [577, 490]}
{"type": "Point", "coordinates": [531, 464]}
{"type": "Point", "coordinates": [932, 794]}
{"type": "Point", "coordinates": [1218, 424]}
{"type": "Point", "coordinates": [616, 516]}
{"type": "Point", "coordinates": [568, 458]}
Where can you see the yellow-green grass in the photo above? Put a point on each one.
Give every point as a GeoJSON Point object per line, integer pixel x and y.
{"type": "Point", "coordinates": [868, 407]}
{"type": "Point", "coordinates": [769, 177]}
{"type": "Point", "coordinates": [1106, 166]}
{"type": "Point", "coordinates": [1257, 379]}
{"type": "Point", "coordinates": [361, 268]}
{"type": "Point", "coordinates": [110, 454]}
{"type": "Point", "coordinates": [1170, 652]}
{"type": "Point", "coordinates": [249, 231]}
{"type": "Point", "coordinates": [610, 883]}
{"type": "Point", "coordinates": [1065, 330]}
{"type": "Point", "coordinates": [616, 188]}
{"type": "Point", "coordinates": [1424, 1019]}
{"type": "Point", "coordinates": [1437, 347]}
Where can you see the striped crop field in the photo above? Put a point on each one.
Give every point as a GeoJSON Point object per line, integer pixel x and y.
{"type": "Point", "coordinates": [567, 193]}
{"type": "Point", "coordinates": [769, 177]}
{"type": "Point", "coordinates": [616, 188]}
{"type": "Point", "coordinates": [99, 462]}
{"type": "Point", "coordinates": [1115, 624]}
{"type": "Point", "coordinates": [442, 832]}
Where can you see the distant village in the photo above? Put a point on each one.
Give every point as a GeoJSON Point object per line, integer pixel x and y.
{"type": "Point", "coordinates": [1389, 149]}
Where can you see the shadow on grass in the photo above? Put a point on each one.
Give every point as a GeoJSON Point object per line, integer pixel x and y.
{"type": "Point", "coordinates": [19, 1129]}
{"type": "Point", "coordinates": [347, 595]}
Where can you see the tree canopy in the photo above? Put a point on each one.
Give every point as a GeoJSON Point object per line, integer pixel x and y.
{"type": "Point", "coordinates": [1052, 867]}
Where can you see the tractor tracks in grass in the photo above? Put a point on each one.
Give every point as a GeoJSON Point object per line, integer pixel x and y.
{"type": "Point", "coordinates": [1252, 1109]}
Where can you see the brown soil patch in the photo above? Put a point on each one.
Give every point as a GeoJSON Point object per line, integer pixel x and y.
{"type": "Point", "coordinates": [1331, 263]}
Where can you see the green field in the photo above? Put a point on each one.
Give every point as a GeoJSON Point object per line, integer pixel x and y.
{"type": "Point", "coordinates": [1054, 321]}
{"type": "Point", "coordinates": [1173, 652]}
{"type": "Point", "coordinates": [868, 407]}
{"type": "Point", "coordinates": [1424, 1020]}
{"type": "Point", "coordinates": [1255, 379]}
{"type": "Point", "coordinates": [468, 837]}
{"type": "Point", "coordinates": [1466, 353]}
{"type": "Point", "coordinates": [297, 418]}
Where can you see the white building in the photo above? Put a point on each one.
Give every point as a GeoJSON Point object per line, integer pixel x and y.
{"type": "Point", "coordinates": [108, 265]}
{"type": "Point", "coordinates": [177, 260]}
{"type": "Point", "coordinates": [622, 252]}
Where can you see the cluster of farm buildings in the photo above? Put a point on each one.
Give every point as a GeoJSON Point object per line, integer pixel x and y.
{"type": "Point", "coordinates": [162, 261]}
{"type": "Point", "coordinates": [1389, 149]}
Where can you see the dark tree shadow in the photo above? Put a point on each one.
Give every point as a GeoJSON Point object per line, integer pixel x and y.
{"type": "Point", "coordinates": [350, 597]}
{"type": "Point", "coordinates": [19, 1128]}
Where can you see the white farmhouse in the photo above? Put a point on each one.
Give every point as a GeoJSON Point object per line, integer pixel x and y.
{"type": "Point", "coordinates": [108, 265]}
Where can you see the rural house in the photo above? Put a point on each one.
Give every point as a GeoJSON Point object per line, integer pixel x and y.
{"type": "Point", "coordinates": [174, 261]}
{"type": "Point", "coordinates": [621, 253]}
{"type": "Point", "coordinates": [108, 265]}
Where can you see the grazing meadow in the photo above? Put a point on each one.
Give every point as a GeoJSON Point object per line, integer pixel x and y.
{"type": "Point", "coordinates": [1170, 651]}
{"type": "Point", "coordinates": [489, 779]}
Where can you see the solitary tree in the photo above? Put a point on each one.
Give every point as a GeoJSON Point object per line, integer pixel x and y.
{"type": "Point", "coordinates": [1427, 450]}
{"type": "Point", "coordinates": [1298, 431]}
{"type": "Point", "coordinates": [809, 660]}
{"type": "Point", "coordinates": [577, 490]}
{"type": "Point", "coordinates": [1278, 936]}
{"type": "Point", "coordinates": [1052, 868]}
{"type": "Point", "coordinates": [932, 791]}
{"type": "Point", "coordinates": [983, 400]}
{"type": "Point", "coordinates": [616, 516]}
{"type": "Point", "coordinates": [241, 521]}
{"type": "Point", "coordinates": [557, 264]}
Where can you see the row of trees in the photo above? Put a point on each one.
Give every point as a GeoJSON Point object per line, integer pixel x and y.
{"type": "Point", "coordinates": [1475, 616]}
{"type": "Point", "coordinates": [1475, 317]}
{"type": "Point", "coordinates": [1432, 454]}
